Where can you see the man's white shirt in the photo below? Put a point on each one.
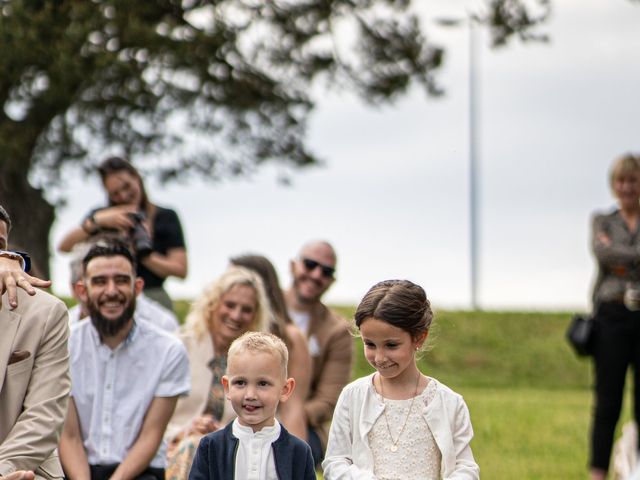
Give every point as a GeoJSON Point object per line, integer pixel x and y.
{"type": "Point", "coordinates": [112, 389]}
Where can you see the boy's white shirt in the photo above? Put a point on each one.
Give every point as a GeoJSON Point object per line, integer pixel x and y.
{"type": "Point", "coordinates": [254, 458]}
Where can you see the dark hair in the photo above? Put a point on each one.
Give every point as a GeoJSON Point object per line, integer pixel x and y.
{"type": "Point", "coordinates": [4, 217]}
{"type": "Point", "coordinates": [265, 269]}
{"type": "Point", "coordinates": [111, 247]}
{"type": "Point", "coordinates": [118, 164]}
{"type": "Point", "coordinates": [400, 303]}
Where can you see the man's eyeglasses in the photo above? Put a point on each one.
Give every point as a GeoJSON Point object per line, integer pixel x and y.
{"type": "Point", "coordinates": [311, 265]}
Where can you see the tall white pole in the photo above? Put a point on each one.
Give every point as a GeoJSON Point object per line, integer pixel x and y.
{"type": "Point", "coordinates": [473, 162]}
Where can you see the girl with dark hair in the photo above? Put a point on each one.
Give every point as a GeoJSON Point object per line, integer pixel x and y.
{"type": "Point", "coordinates": [155, 231]}
{"type": "Point", "coordinates": [398, 422]}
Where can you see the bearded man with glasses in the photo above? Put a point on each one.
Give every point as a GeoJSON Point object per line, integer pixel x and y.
{"type": "Point", "coordinates": [330, 343]}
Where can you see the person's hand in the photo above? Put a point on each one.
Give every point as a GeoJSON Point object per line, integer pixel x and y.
{"type": "Point", "coordinates": [115, 217]}
{"type": "Point", "coordinates": [20, 475]}
{"type": "Point", "coordinates": [12, 277]}
{"type": "Point", "coordinates": [603, 238]}
{"type": "Point", "coordinates": [204, 424]}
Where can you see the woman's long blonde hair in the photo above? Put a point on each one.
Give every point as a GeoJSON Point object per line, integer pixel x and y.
{"type": "Point", "coordinates": [199, 319]}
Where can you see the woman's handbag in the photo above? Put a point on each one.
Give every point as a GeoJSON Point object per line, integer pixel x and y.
{"type": "Point", "coordinates": [581, 335]}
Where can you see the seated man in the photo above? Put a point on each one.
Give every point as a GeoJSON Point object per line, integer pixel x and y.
{"type": "Point", "coordinates": [146, 308]}
{"type": "Point", "coordinates": [330, 343]}
{"type": "Point", "coordinates": [126, 377]}
{"type": "Point", "coordinates": [34, 370]}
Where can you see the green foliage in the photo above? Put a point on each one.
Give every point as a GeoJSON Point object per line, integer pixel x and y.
{"type": "Point", "coordinates": [211, 88]}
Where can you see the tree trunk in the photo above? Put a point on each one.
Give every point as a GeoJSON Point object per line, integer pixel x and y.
{"type": "Point", "coordinates": [31, 217]}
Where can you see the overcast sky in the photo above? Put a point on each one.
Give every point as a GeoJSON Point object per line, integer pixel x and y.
{"type": "Point", "coordinates": [393, 195]}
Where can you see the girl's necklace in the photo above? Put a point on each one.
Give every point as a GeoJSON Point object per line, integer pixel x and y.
{"type": "Point", "coordinates": [394, 443]}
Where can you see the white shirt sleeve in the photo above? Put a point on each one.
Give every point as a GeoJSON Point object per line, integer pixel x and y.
{"type": "Point", "coordinates": [175, 379]}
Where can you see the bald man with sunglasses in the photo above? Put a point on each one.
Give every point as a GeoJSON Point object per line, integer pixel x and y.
{"type": "Point", "coordinates": [330, 343]}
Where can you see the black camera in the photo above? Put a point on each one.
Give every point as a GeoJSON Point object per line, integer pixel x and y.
{"type": "Point", "coordinates": [139, 235]}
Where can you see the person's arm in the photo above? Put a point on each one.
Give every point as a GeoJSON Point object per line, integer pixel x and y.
{"type": "Point", "coordinates": [73, 237]}
{"type": "Point", "coordinates": [36, 432]}
{"type": "Point", "coordinates": [309, 468]}
{"type": "Point", "coordinates": [173, 264]}
{"type": "Point", "coordinates": [72, 455]}
{"type": "Point", "coordinates": [338, 462]}
{"type": "Point", "coordinates": [462, 431]}
{"type": "Point", "coordinates": [336, 373]}
{"type": "Point", "coordinates": [13, 277]}
{"type": "Point", "coordinates": [116, 218]}
{"type": "Point", "coordinates": [146, 445]}
{"type": "Point", "coordinates": [291, 412]}
{"type": "Point", "coordinates": [607, 250]}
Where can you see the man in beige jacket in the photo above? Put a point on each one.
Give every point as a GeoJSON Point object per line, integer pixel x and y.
{"type": "Point", "coordinates": [328, 337]}
{"type": "Point", "coordinates": [34, 373]}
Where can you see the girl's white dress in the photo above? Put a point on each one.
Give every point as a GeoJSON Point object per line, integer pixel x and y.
{"type": "Point", "coordinates": [416, 455]}
{"type": "Point", "coordinates": [356, 447]}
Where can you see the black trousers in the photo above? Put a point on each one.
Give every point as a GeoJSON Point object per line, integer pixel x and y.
{"type": "Point", "coordinates": [104, 472]}
{"type": "Point", "coordinates": [617, 346]}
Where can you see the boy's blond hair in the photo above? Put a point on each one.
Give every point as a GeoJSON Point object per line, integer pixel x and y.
{"type": "Point", "coordinates": [260, 342]}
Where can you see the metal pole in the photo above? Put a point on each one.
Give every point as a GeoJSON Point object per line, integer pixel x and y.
{"type": "Point", "coordinates": [473, 162]}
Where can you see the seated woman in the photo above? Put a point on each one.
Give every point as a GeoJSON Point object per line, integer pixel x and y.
{"type": "Point", "coordinates": [291, 413]}
{"type": "Point", "coordinates": [155, 231]}
{"type": "Point", "coordinates": [233, 304]}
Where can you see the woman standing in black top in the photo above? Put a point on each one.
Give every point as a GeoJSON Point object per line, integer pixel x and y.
{"type": "Point", "coordinates": [616, 299]}
{"type": "Point", "coordinates": [155, 232]}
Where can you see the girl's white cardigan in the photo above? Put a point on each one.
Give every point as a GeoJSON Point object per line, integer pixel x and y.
{"type": "Point", "coordinates": [349, 455]}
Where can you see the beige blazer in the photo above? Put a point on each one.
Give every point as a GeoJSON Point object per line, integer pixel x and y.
{"type": "Point", "coordinates": [331, 357]}
{"type": "Point", "coordinates": [34, 383]}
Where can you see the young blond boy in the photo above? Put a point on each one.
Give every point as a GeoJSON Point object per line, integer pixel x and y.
{"type": "Point", "coordinates": [254, 445]}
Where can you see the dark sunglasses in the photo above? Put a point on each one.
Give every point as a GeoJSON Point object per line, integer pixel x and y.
{"type": "Point", "coordinates": [311, 265]}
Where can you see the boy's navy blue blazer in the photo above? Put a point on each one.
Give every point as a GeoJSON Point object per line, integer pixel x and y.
{"type": "Point", "coordinates": [216, 457]}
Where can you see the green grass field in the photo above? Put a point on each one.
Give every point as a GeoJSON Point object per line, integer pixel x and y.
{"type": "Point", "coordinates": [529, 395]}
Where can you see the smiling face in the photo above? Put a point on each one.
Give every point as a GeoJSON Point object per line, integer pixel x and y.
{"type": "Point", "coordinates": [123, 188]}
{"type": "Point", "coordinates": [390, 350]}
{"type": "Point", "coordinates": [310, 272]}
{"type": "Point", "coordinates": [235, 313]}
{"type": "Point", "coordinates": [108, 289]}
{"type": "Point", "coordinates": [254, 384]}
{"type": "Point", "coordinates": [626, 188]}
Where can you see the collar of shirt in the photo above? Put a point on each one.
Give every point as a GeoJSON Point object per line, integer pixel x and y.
{"type": "Point", "coordinates": [254, 458]}
{"type": "Point", "coordinates": [270, 434]}
{"type": "Point", "coordinates": [97, 341]}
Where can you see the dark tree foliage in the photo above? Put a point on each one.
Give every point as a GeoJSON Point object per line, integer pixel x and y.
{"type": "Point", "coordinates": [214, 88]}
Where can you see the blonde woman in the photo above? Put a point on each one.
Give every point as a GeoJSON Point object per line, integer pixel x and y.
{"type": "Point", "coordinates": [616, 301]}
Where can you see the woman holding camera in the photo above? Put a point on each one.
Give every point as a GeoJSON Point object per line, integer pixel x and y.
{"type": "Point", "coordinates": [155, 232]}
{"type": "Point", "coordinates": [616, 300]}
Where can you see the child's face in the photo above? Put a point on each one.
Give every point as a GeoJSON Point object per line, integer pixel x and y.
{"type": "Point", "coordinates": [255, 383]}
{"type": "Point", "coordinates": [389, 349]}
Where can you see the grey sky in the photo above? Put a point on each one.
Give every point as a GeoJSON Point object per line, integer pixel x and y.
{"type": "Point", "coordinates": [393, 195]}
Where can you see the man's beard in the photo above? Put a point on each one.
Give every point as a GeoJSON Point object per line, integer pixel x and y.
{"type": "Point", "coordinates": [106, 327]}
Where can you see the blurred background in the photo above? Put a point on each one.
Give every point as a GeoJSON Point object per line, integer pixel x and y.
{"type": "Point", "coordinates": [393, 193]}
